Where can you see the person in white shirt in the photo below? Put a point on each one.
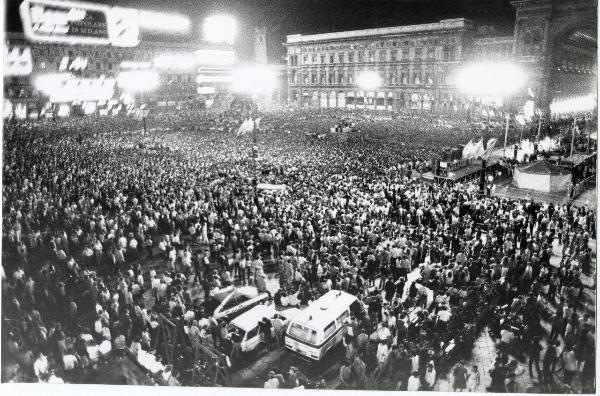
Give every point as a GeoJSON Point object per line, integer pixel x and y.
{"type": "Point", "coordinates": [53, 379]}
{"type": "Point", "coordinates": [383, 351]}
{"type": "Point", "coordinates": [444, 315]}
{"type": "Point", "coordinates": [271, 382]}
{"type": "Point", "coordinates": [414, 383]}
{"type": "Point", "coordinates": [285, 300]}
{"type": "Point", "coordinates": [383, 333]}
{"type": "Point", "coordinates": [473, 380]}
{"type": "Point", "coordinates": [430, 376]}
{"type": "Point", "coordinates": [507, 336]}
{"type": "Point", "coordinates": [69, 361]}
{"type": "Point", "coordinates": [40, 366]}
{"type": "Point", "coordinates": [570, 365]}
{"type": "Point", "coordinates": [105, 347]}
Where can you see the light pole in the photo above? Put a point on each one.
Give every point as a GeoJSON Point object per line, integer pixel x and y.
{"type": "Point", "coordinates": [539, 132]}
{"type": "Point", "coordinates": [506, 134]}
{"type": "Point", "coordinates": [572, 137]}
{"type": "Point", "coordinates": [139, 81]}
{"type": "Point", "coordinates": [368, 81]}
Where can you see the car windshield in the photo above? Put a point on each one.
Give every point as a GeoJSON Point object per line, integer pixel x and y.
{"type": "Point", "coordinates": [303, 333]}
{"type": "Point", "coordinates": [232, 328]}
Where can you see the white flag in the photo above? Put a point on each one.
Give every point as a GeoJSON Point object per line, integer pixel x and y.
{"type": "Point", "coordinates": [467, 149]}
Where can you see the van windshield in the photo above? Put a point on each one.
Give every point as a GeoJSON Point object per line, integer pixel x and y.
{"type": "Point", "coordinates": [232, 328]}
{"type": "Point", "coordinates": [303, 333]}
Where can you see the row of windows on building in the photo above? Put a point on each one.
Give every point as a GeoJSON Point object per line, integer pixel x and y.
{"type": "Point", "coordinates": [425, 42]}
{"type": "Point", "coordinates": [422, 101]}
{"type": "Point", "coordinates": [447, 53]}
{"type": "Point", "coordinates": [393, 78]}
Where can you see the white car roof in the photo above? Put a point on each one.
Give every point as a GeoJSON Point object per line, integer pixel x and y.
{"type": "Point", "coordinates": [326, 309]}
{"type": "Point", "coordinates": [248, 320]}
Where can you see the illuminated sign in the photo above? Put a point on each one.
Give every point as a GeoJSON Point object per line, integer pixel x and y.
{"type": "Point", "coordinates": [220, 29]}
{"type": "Point", "coordinates": [158, 21]}
{"type": "Point", "coordinates": [76, 64]}
{"type": "Point", "coordinates": [65, 21]}
{"type": "Point", "coordinates": [123, 27]}
{"type": "Point", "coordinates": [215, 57]}
{"type": "Point", "coordinates": [79, 23]}
{"type": "Point", "coordinates": [17, 61]}
{"type": "Point", "coordinates": [62, 87]}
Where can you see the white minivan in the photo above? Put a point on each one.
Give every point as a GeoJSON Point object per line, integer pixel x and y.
{"type": "Point", "coordinates": [319, 328]}
{"type": "Point", "coordinates": [247, 324]}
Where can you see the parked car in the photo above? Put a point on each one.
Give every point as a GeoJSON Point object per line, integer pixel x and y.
{"type": "Point", "coordinates": [247, 324]}
{"type": "Point", "coordinates": [230, 302]}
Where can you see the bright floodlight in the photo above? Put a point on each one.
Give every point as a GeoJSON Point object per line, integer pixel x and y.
{"type": "Point", "coordinates": [138, 80]}
{"type": "Point", "coordinates": [577, 104]}
{"type": "Point", "coordinates": [150, 20]}
{"type": "Point", "coordinates": [368, 80]}
{"type": "Point", "coordinates": [494, 79]}
{"type": "Point", "coordinates": [253, 79]}
{"type": "Point", "coordinates": [50, 83]}
{"type": "Point", "coordinates": [220, 29]}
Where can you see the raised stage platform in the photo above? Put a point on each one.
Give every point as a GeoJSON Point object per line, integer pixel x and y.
{"type": "Point", "coordinates": [465, 174]}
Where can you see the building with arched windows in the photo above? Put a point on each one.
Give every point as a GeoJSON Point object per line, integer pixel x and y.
{"type": "Point", "coordinates": [554, 41]}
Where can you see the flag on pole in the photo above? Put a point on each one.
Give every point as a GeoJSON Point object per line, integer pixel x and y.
{"type": "Point", "coordinates": [478, 149]}
{"type": "Point", "coordinates": [245, 127]}
{"type": "Point", "coordinates": [467, 149]}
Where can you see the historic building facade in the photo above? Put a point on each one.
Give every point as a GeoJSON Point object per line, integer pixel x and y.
{"type": "Point", "coordinates": [417, 64]}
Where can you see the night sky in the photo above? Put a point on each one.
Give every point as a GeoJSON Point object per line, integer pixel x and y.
{"type": "Point", "coordinates": [283, 17]}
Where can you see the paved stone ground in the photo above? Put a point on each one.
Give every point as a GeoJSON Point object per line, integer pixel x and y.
{"type": "Point", "coordinates": [484, 350]}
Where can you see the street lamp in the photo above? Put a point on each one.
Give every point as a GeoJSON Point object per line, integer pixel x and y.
{"type": "Point", "coordinates": [139, 81]}
{"type": "Point", "coordinates": [254, 81]}
{"type": "Point", "coordinates": [220, 29]}
{"type": "Point", "coordinates": [368, 80]}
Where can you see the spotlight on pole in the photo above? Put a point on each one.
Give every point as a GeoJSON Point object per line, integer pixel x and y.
{"type": "Point", "coordinates": [368, 80]}
{"type": "Point", "coordinates": [490, 79]}
{"type": "Point", "coordinates": [220, 29]}
{"type": "Point", "coordinates": [138, 80]}
{"type": "Point", "coordinates": [253, 80]}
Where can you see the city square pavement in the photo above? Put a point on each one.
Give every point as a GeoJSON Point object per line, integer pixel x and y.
{"type": "Point", "coordinates": [483, 354]}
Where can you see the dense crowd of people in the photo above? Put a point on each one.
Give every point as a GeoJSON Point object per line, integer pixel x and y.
{"type": "Point", "coordinates": [107, 227]}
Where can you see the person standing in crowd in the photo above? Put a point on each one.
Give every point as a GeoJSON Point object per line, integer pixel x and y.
{"type": "Point", "coordinates": [430, 376]}
{"type": "Point", "coordinates": [473, 379]}
{"type": "Point", "coordinates": [414, 383]}
{"type": "Point", "coordinates": [346, 375]}
{"type": "Point", "coordinates": [534, 356]}
{"type": "Point", "coordinates": [460, 374]}
{"type": "Point", "coordinates": [271, 382]}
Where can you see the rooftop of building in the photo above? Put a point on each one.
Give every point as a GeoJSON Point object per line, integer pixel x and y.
{"type": "Point", "coordinates": [443, 25]}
